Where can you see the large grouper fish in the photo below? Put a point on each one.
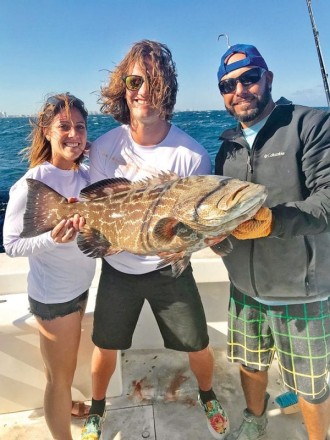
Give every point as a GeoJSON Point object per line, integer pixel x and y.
{"type": "Point", "coordinates": [161, 214]}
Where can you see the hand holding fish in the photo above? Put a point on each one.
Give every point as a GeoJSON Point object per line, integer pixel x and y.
{"type": "Point", "coordinates": [259, 226]}
{"type": "Point", "coordinates": [67, 230]}
{"type": "Point", "coordinates": [64, 232]}
{"type": "Point", "coordinates": [78, 222]}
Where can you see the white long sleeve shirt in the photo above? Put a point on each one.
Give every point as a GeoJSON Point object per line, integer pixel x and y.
{"type": "Point", "coordinates": [59, 272]}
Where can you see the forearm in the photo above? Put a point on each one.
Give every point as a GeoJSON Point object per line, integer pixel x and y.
{"type": "Point", "coordinates": [25, 247]}
{"type": "Point", "coordinates": [307, 217]}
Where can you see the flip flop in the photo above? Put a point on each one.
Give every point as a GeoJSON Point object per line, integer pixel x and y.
{"type": "Point", "coordinates": [79, 410]}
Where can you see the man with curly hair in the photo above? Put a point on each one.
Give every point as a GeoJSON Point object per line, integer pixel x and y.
{"type": "Point", "coordinates": [141, 95]}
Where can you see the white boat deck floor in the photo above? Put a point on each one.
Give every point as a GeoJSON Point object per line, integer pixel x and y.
{"type": "Point", "coordinates": [159, 403]}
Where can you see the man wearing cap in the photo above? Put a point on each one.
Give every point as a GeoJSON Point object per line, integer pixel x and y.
{"type": "Point", "coordinates": [279, 267]}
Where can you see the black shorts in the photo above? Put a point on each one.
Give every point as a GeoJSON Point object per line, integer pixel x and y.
{"type": "Point", "coordinates": [175, 302]}
{"type": "Point", "coordinates": [51, 311]}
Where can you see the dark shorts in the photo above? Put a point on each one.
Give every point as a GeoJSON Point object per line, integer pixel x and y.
{"type": "Point", "coordinates": [51, 311]}
{"type": "Point", "coordinates": [175, 302]}
{"type": "Point", "coordinates": [299, 335]}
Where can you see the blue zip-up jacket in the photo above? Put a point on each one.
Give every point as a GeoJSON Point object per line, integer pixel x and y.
{"type": "Point", "coordinates": [291, 157]}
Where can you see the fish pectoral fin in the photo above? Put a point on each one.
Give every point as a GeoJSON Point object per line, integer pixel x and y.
{"type": "Point", "coordinates": [93, 243]}
{"type": "Point", "coordinates": [164, 230]}
{"type": "Point", "coordinates": [169, 227]}
{"type": "Point", "coordinates": [222, 248]}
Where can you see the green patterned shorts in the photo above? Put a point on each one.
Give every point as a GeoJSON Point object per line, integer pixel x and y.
{"type": "Point", "coordinates": [299, 335]}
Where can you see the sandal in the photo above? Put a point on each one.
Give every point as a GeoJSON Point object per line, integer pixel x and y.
{"type": "Point", "coordinates": [79, 409]}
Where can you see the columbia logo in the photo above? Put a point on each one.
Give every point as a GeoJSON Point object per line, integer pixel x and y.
{"type": "Point", "coordinates": [280, 153]}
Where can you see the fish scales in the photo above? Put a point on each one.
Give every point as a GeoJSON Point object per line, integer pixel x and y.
{"type": "Point", "coordinates": [140, 211]}
{"type": "Point", "coordinates": [149, 207]}
{"type": "Point", "coordinates": [165, 213]}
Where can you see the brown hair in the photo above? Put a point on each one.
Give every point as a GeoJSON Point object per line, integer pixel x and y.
{"type": "Point", "coordinates": [162, 81]}
{"type": "Point", "coordinates": [40, 149]}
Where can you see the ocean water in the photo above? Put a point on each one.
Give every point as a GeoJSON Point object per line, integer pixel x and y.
{"type": "Point", "coordinates": [204, 126]}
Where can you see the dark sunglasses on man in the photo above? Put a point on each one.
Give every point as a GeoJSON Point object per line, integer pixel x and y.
{"type": "Point", "coordinates": [247, 78]}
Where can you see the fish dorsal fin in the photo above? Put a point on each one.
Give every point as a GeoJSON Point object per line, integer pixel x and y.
{"type": "Point", "coordinates": [105, 188]}
{"type": "Point", "coordinates": [156, 179]}
{"type": "Point", "coordinates": [164, 177]}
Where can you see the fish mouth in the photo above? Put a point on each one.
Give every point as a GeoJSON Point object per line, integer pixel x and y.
{"type": "Point", "coordinates": [245, 196]}
{"type": "Point", "coordinates": [237, 202]}
{"type": "Point", "coordinates": [244, 203]}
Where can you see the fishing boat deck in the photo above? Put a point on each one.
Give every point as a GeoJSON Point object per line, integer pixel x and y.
{"type": "Point", "coordinates": [157, 398]}
{"type": "Point", "coordinates": [159, 403]}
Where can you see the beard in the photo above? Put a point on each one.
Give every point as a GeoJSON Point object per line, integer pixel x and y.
{"type": "Point", "coordinates": [252, 114]}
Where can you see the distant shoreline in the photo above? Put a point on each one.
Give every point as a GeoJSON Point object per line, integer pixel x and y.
{"type": "Point", "coordinates": [4, 115]}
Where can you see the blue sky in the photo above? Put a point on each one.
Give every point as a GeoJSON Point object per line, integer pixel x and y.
{"type": "Point", "coordinates": [70, 45]}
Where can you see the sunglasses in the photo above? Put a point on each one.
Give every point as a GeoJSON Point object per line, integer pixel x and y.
{"type": "Point", "coordinates": [247, 78]}
{"type": "Point", "coordinates": [72, 101]}
{"type": "Point", "coordinates": [133, 82]}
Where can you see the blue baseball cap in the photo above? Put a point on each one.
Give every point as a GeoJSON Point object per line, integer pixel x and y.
{"type": "Point", "coordinates": [253, 58]}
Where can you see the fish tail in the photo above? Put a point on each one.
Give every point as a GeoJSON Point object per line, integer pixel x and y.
{"type": "Point", "coordinates": [43, 209]}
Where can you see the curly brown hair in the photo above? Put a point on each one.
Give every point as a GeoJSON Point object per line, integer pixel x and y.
{"type": "Point", "coordinates": [40, 149]}
{"type": "Point", "coordinates": [161, 82]}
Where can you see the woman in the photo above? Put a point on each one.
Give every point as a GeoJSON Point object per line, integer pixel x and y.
{"type": "Point", "coordinates": [60, 274]}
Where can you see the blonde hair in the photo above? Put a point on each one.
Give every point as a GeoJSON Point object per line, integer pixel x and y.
{"type": "Point", "coordinates": [40, 149]}
{"type": "Point", "coordinates": [161, 81]}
